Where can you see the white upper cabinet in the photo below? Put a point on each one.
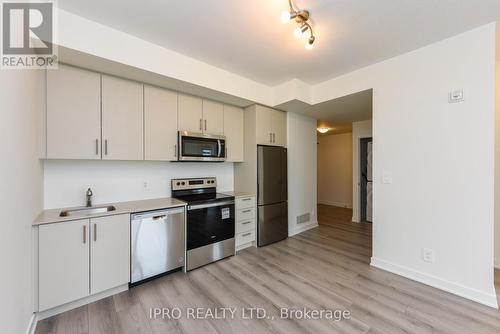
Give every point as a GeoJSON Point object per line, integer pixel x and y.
{"type": "Point", "coordinates": [160, 124]}
{"type": "Point", "coordinates": [270, 126]}
{"type": "Point", "coordinates": [279, 128]}
{"type": "Point", "coordinates": [190, 113]}
{"type": "Point", "coordinates": [109, 252]}
{"type": "Point", "coordinates": [63, 263]}
{"type": "Point", "coordinates": [122, 119]}
{"type": "Point", "coordinates": [213, 118]}
{"type": "Point", "coordinates": [73, 114]}
{"type": "Point", "coordinates": [96, 116]}
{"type": "Point", "coordinates": [263, 125]}
{"type": "Point", "coordinates": [233, 130]}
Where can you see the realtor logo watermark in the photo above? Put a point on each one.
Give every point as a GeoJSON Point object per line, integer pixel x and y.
{"type": "Point", "coordinates": [27, 35]}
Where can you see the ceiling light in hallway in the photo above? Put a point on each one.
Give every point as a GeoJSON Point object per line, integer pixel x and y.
{"type": "Point", "coordinates": [323, 130]}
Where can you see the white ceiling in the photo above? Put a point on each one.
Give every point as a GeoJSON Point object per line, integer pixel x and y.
{"type": "Point", "coordinates": [248, 38]}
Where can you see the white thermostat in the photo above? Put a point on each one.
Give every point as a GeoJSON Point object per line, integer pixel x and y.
{"type": "Point", "coordinates": [456, 96]}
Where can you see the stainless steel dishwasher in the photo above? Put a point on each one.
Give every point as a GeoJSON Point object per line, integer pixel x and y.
{"type": "Point", "coordinates": [158, 243]}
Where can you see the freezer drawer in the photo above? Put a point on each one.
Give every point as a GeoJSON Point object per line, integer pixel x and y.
{"type": "Point", "coordinates": [272, 225]}
{"type": "Point", "coordinates": [158, 243]}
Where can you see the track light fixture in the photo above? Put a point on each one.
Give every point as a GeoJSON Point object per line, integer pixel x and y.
{"type": "Point", "coordinates": [301, 17]}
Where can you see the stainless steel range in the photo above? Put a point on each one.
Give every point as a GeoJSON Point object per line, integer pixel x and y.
{"type": "Point", "coordinates": [210, 220]}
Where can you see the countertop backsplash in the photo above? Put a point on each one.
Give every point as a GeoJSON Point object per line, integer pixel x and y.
{"type": "Point", "coordinates": [65, 181]}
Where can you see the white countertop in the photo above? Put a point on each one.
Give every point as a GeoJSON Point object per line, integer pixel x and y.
{"type": "Point", "coordinates": [52, 215]}
{"type": "Point", "coordinates": [237, 194]}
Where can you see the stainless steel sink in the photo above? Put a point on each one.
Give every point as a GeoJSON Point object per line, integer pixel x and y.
{"type": "Point", "coordinates": [87, 211]}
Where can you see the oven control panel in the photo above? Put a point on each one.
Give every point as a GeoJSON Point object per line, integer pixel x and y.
{"type": "Point", "coordinates": [198, 183]}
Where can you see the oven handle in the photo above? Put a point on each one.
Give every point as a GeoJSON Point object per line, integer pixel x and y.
{"type": "Point", "coordinates": [211, 205]}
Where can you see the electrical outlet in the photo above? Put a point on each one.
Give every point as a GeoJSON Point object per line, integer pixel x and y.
{"type": "Point", "coordinates": [146, 185]}
{"type": "Point", "coordinates": [387, 178]}
{"type": "Point", "coordinates": [428, 255]}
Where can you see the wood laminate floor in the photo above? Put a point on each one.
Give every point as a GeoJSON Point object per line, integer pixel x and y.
{"type": "Point", "coordinates": [323, 268]}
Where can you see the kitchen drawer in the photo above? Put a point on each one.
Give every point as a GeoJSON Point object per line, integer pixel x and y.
{"type": "Point", "coordinates": [245, 226]}
{"type": "Point", "coordinates": [245, 238]}
{"type": "Point", "coordinates": [245, 214]}
{"type": "Point", "coordinates": [245, 202]}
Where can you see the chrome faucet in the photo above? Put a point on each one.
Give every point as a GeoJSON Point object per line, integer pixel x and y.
{"type": "Point", "coordinates": [89, 198]}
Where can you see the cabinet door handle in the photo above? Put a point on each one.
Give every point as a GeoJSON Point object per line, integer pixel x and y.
{"type": "Point", "coordinates": [246, 234]}
{"type": "Point", "coordinates": [106, 147]}
{"type": "Point", "coordinates": [95, 232]}
{"type": "Point", "coordinates": [201, 127]}
{"type": "Point", "coordinates": [84, 234]}
{"type": "Point", "coordinates": [246, 211]}
{"type": "Point", "coordinates": [245, 223]}
{"type": "Point", "coordinates": [205, 125]}
{"type": "Point", "coordinates": [274, 137]}
{"type": "Point", "coordinates": [175, 150]}
{"type": "Point", "coordinates": [246, 199]}
{"type": "Point", "coordinates": [270, 137]}
{"type": "Point", "coordinates": [97, 147]}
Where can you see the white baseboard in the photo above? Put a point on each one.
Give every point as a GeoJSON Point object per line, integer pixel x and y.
{"type": "Point", "coordinates": [338, 204]}
{"type": "Point", "coordinates": [302, 227]}
{"type": "Point", "coordinates": [436, 282]}
{"type": "Point", "coordinates": [32, 324]}
{"type": "Point", "coordinates": [77, 303]}
{"type": "Point", "coordinates": [497, 263]}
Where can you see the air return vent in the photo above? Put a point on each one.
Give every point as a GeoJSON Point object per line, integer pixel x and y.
{"type": "Point", "coordinates": [303, 218]}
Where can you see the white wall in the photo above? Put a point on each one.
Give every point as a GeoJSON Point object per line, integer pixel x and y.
{"type": "Point", "coordinates": [335, 170]}
{"type": "Point", "coordinates": [302, 167]}
{"type": "Point", "coordinates": [66, 181]}
{"type": "Point", "coordinates": [21, 195]}
{"type": "Point", "coordinates": [440, 158]}
{"type": "Point", "coordinates": [497, 166]}
{"type": "Point", "coordinates": [360, 130]}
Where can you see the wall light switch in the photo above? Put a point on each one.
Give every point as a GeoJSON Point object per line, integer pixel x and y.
{"type": "Point", "coordinates": [387, 178]}
{"type": "Point", "coordinates": [456, 96]}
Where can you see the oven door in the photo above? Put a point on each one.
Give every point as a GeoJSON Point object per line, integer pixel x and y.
{"type": "Point", "coordinates": [209, 223]}
{"type": "Point", "coordinates": [201, 147]}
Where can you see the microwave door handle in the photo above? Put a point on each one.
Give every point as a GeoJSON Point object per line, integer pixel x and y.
{"type": "Point", "coordinates": [220, 148]}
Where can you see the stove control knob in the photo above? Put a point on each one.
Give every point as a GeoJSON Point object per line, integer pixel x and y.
{"type": "Point", "coordinates": [183, 183]}
{"type": "Point", "coordinates": [178, 183]}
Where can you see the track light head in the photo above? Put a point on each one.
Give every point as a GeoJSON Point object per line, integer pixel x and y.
{"type": "Point", "coordinates": [310, 43]}
{"type": "Point", "coordinates": [286, 16]}
{"type": "Point", "coordinates": [299, 31]}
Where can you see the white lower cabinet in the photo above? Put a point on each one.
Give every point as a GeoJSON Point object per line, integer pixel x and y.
{"type": "Point", "coordinates": [63, 263]}
{"type": "Point", "coordinates": [80, 258]}
{"type": "Point", "coordinates": [245, 227]}
{"type": "Point", "coordinates": [109, 252]}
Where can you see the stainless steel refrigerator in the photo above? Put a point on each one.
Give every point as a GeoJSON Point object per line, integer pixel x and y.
{"type": "Point", "coordinates": [272, 197]}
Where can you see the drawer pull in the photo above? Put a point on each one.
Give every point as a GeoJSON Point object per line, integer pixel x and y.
{"type": "Point", "coordinates": [246, 199]}
{"type": "Point", "coordinates": [246, 234]}
{"type": "Point", "coordinates": [246, 223]}
{"type": "Point", "coordinates": [246, 211]}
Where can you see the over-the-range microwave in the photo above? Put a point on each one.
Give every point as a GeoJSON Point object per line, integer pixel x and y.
{"type": "Point", "coordinates": [201, 147]}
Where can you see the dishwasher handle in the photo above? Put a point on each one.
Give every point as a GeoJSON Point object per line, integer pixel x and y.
{"type": "Point", "coordinates": [157, 215]}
